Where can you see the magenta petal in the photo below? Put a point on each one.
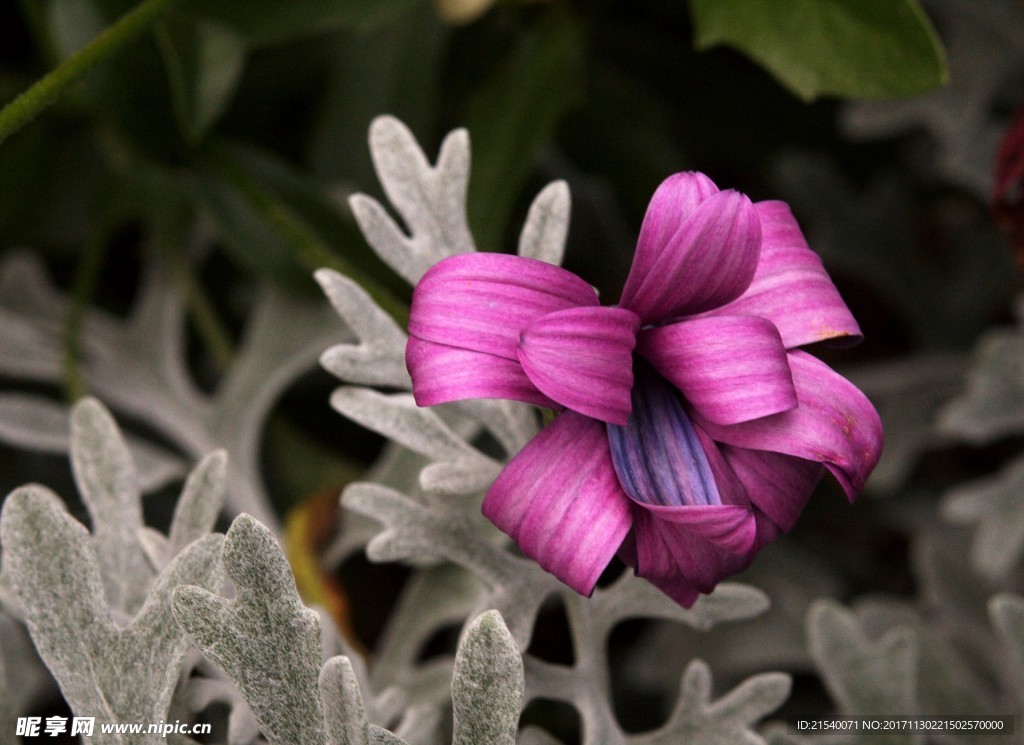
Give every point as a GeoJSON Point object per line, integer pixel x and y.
{"type": "Point", "coordinates": [778, 484]}
{"type": "Point", "coordinates": [791, 287]}
{"type": "Point", "coordinates": [670, 581]}
{"type": "Point", "coordinates": [834, 424]}
{"type": "Point", "coordinates": [560, 501]}
{"type": "Point", "coordinates": [673, 551]}
{"type": "Point", "coordinates": [707, 262]}
{"type": "Point", "coordinates": [583, 359]}
{"type": "Point", "coordinates": [730, 368]}
{"type": "Point", "coordinates": [727, 526]}
{"type": "Point", "coordinates": [481, 302]}
{"type": "Point", "coordinates": [441, 374]}
{"type": "Point", "coordinates": [675, 199]}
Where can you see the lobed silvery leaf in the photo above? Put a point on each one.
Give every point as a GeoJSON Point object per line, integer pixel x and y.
{"type": "Point", "coordinates": [864, 676]}
{"type": "Point", "coordinates": [116, 672]}
{"type": "Point", "coordinates": [38, 423]}
{"type": "Point", "coordinates": [384, 706]}
{"type": "Point", "coordinates": [949, 584]}
{"type": "Point", "coordinates": [195, 513]}
{"type": "Point", "coordinates": [536, 736]}
{"type": "Point", "coordinates": [907, 393]}
{"type": "Point", "coordinates": [343, 704]}
{"type": "Point", "coordinates": [1007, 613]}
{"type": "Point", "coordinates": [434, 598]}
{"type": "Point", "coordinates": [777, 639]}
{"type": "Point", "coordinates": [346, 718]}
{"type": "Point", "coordinates": [138, 366]}
{"type": "Point", "coordinates": [631, 597]}
{"type": "Point", "coordinates": [512, 423]}
{"type": "Point", "coordinates": [379, 358]}
{"type": "Point", "coordinates": [265, 639]}
{"type": "Point", "coordinates": [992, 405]}
{"type": "Point", "coordinates": [517, 587]}
{"type": "Point", "coordinates": [995, 505]}
{"type": "Point", "coordinates": [431, 200]}
{"type": "Point", "coordinates": [547, 224]}
{"type": "Point", "coordinates": [585, 684]}
{"type": "Point", "coordinates": [947, 679]}
{"type": "Point", "coordinates": [487, 684]}
{"type": "Point", "coordinates": [727, 721]}
{"type": "Point", "coordinates": [106, 480]}
{"type": "Point", "coordinates": [461, 468]}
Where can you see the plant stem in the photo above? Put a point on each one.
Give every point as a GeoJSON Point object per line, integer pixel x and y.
{"type": "Point", "coordinates": [26, 106]}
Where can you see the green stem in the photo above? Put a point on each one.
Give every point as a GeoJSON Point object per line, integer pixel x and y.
{"type": "Point", "coordinates": [86, 278]}
{"type": "Point", "coordinates": [309, 250]}
{"type": "Point", "coordinates": [44, 91]}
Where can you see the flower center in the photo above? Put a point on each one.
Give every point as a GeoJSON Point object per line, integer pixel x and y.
{"type": "Point", "coordinates": [658, 456]}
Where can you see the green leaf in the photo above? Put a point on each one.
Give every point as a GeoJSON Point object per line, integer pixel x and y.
{"type": "Point", "coordinates": [204, 65]}
{"type": "Point", "coordinates": [856, 48]}
{"type": "Point", "coordinates": [515, 112]}
{"type": "Point", "coordinates": [267, 22]}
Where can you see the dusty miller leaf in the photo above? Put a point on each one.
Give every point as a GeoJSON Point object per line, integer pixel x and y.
{"type": "Point", "coordinates": [461, 468]}
{"type": "Point", "coordinates": [1007, 613]}
{"type": "Point", "coordinates": [265, 639]}
{"type": "Point", "coordinates": [117, 673]}
{"type": "Point", "coordinates": [379, 358]}
{"type": "Point", "coordinates": [864, 676]}
{"type": "Point", "coordinates": [196, 511]}
{"type": "Point", "coordinates": [106, 479]}
{"type": "Point", "coordinates": [996, 506]}
{"type": "Point", "coordinates": [487, 685]}
{"type": "Point", "coordinates": [948, 681]}
{"type": "Point", "coordinates": [585, 684]}
{"type": "Point", "coordinates": [727, 721]}
{"type": "Point", "coordinates": [38, 423]}
{"type": "Point", "coordinates": [343, 704]}
{"type": "Point", "coordinates": [547, 224]}
{"type": "Point", "coordinates": [430, 199]}
{"type": "Point", "coordinates": [992, 405]}
{"type": "Point", "coordinates": [517, 586]}
{"type": "Point", "coordinates": [907, 394]}
{"type": "Point", "coordinates": [138, 365]}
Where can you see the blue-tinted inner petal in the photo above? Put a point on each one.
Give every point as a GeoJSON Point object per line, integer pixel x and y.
{"type": "Point", "coordinates": [657, 454]}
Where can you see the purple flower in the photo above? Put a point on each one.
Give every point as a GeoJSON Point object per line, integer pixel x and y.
{"type": "Point", "coordinates": [691, 428]}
